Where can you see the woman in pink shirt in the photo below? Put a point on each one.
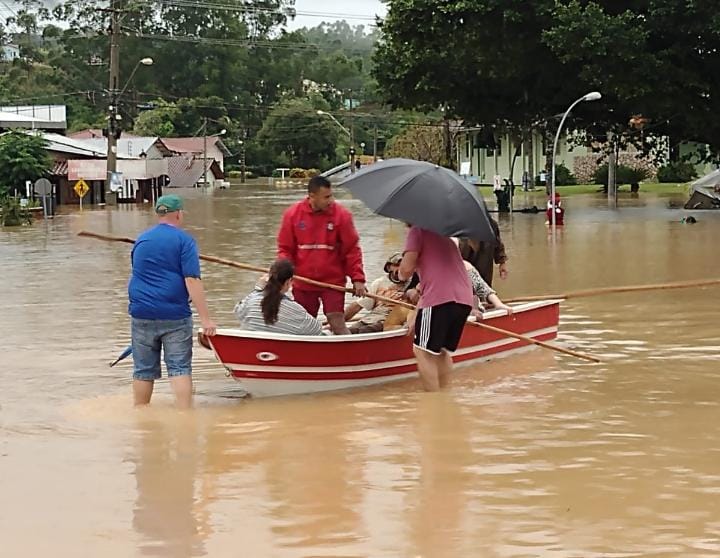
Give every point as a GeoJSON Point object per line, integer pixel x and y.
{"type": "Point", "coordinates": [444, 305]}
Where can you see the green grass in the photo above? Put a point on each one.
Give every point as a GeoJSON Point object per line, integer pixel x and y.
{"type": "Point", "coordinates": [579, 189]}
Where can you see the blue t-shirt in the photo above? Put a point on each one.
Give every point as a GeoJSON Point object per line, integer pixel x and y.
{"type": "Point", "coordinates": [162, 258]}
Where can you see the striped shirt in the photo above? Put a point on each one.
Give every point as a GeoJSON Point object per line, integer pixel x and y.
{"type": "Point", "coordinates": [292, 318]}
{"type": "Point", "coordinates": [480, 288]}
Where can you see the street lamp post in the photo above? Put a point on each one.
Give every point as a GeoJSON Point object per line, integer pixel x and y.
{"type": "Point", "coordinates": [242, 162]}
{"type": "Point", "coordinates": [114, 117]}
{"type": "Point", "coordinates": [592, 96]}
{"type": "Point", "coordinates": [348, 132]}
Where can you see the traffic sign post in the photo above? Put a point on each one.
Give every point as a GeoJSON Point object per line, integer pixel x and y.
{"type": "Point", "coordinates": [81, 189]}
{"type": "Point", "coordinates": [43, 188]}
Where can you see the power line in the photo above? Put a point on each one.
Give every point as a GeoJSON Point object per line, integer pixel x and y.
{"type": "Point", "coordinates": [250, 43]}
{"type": "Point", "coordinates": [270, 11]}
{"type": "Point", "coordinates": [48, 96]}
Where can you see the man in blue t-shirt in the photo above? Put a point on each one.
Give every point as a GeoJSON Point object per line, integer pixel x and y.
{"type": "Point", "coordinates": [165, 277]}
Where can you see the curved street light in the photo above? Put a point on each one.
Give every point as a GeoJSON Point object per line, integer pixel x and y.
{"type": "Point", "coordinates": [344, 129]}
{"type": "Point", "coordinates": [592, 96]}
{"type": "Point", "coordinates": [348, 132]}
{"type": "Point", "coordinates": [147, 61]}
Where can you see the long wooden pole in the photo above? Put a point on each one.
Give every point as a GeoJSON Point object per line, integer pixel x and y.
{"type": "Point", "coordinates": [625, 289]}
{"type": "Point", "coordinates": [378, 298]}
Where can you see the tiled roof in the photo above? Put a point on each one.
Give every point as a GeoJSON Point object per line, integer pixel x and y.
{"type": "Point", "coordinates": [194, 145]}
{"type": "Point", "coordinates": [185, 173]}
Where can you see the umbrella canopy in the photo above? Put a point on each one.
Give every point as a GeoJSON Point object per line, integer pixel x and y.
{"type": "Point", "coordinates": [708, 180]}
{"type": "Point", "coordinates": [424, 195]}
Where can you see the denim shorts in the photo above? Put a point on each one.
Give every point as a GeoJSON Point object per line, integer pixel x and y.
{"type": "Point", "coordinates": [175, 337]}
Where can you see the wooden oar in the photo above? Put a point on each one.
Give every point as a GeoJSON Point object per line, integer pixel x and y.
{"type": "Point", "coordinates": [378, 298]}
{"type": "Point", "coordinates": [625, 289]}
{"type": "Point", "coordinates": [498, 330]}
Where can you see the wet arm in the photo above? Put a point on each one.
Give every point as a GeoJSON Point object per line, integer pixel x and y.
{"type": "Point", "coordinates": [408, 265]}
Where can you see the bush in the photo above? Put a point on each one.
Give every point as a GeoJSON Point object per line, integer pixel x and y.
{"type": "Point", "coordinates": [311, 172]}
{"type": "Point", "coordinates": [13, 214]}
{"type": "Point", "coordinates": [298, 173]}
{"type": "Point", "coordinates": [234, 174]}
{"type": "Point", "coordinates": [563, 176]}
{"type": "Point", "coordinates": [623, 175]}
{"type": "Point", "coordinates": [676, 171]}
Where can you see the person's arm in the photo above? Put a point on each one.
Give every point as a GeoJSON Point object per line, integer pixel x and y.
{"type": "Point", "coordinates": [352, 309]}
{"type": "Point", "coordinates": [190, 267]}
{"type": "Point", "coordinates": [499, 255]}
{"type": "Point", "coordinates": [494, 299]}
{"type": "Point", "coordinates": [480, 287]}
{"type": "Point", "coordinates": [408, 265]}
{"type": "Point", "coordinates": [286, 241]}
{"type": "Point", "coordinates": [413, 247]}
{"type": "Point", "coordinates": [197, 295]}
{"type": "Point", "coordinates": [351, 253]}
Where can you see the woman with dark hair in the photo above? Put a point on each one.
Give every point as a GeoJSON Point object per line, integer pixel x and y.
{"type": "Point", "coordinates": [268, 308]}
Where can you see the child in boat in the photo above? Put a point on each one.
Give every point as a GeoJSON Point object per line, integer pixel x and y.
{"type": "Point", "coordinates": [269, 308]}
{"type": "Point", "coordinates": [388, 286]}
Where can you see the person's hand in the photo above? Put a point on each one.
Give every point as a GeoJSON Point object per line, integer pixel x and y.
{"type": "Point", "coordinates": [412, 295]}
{"type": "Point", "coordinates": [508, 309]}
{"type": "Point", "coordinates": [503, 270]}
{"type": "Point", "coordinates": [359, 288]}
{"type": "Point", "coordinates": [410, 323]}
{"type": "Point", "coordinates": [209, 327]}
{"type": "Point", "coordinates": [477, 314]}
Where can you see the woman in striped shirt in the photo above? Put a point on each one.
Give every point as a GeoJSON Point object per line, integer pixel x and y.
{"type": "Point", "coordinates": [270, 309]}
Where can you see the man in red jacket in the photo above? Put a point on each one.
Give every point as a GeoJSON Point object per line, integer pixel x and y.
{"type": "Point", "coordinates": [318, 236]}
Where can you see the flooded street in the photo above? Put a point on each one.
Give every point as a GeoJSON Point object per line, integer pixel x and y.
{"type": "Point", "coordinates": [538, 454]}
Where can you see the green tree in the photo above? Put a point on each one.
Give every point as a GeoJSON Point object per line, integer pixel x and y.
{"type": "Point", "coordinates": [22, 157]}
{"type": "Point", "coordinates": [516, 64]}
{"type": "Point", "coordinates": [293, 130]}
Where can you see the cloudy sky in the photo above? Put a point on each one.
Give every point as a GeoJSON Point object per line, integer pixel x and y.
{"type": "Point", "coordinates": [314, 12]}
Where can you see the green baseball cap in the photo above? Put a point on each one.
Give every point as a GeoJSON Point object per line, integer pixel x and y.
{"type": "Point", "coordinates": [168, 204]}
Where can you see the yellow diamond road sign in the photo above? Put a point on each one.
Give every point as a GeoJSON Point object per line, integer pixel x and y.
{"type": "Point", "coordinates": [81, 188]}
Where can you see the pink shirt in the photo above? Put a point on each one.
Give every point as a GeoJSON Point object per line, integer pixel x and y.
{"type": "Point", "coordinates": [440, 267]}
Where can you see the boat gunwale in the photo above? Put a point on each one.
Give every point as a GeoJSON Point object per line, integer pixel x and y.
{"type": "Point", "coordinates": [358, 337]}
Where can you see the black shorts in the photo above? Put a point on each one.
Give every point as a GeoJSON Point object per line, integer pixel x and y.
{"type": "Point", "coordinates": [440, 327]}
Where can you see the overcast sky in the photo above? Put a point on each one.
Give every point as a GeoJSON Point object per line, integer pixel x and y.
{"type": "Point", "coordinates": [333, 10]}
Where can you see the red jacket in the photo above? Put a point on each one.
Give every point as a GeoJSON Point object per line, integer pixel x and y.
{"type": "Point", "coordinates": [323, 245]}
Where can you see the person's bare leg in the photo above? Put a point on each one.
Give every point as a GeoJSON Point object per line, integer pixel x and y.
{"type": "Point", "coordinates": [337, 323]}
{"type": "Point", "coordinates": [428, 369]}
{"type": "Point", "coordinates": [182, 388]}
{"type": "Point", "coordinates": [142, 392]}
{"type": "Point", "coordinates": [445, 367]}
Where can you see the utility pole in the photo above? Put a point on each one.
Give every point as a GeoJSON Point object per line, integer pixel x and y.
{"type": "Point", "coordinates": [113, 90]}
{"type": "Point", "coordinates": [375, 144]}
{"type": "Point", "coordinates": [352, 136]}
{"type": "Point", "coordinates": [205, 120]}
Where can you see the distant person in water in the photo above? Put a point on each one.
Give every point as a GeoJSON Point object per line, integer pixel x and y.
{"type": "Point", "coordinates": [556, 206]}
{"type": "Point", "coordinates": [269, 308]}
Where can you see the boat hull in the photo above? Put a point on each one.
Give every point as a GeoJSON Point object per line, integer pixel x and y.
{"type": "Point", "coordinates": [271, 364]}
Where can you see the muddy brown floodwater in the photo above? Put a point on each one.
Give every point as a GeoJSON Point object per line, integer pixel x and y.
{"type": "Point", "coordinates": [535, 455]}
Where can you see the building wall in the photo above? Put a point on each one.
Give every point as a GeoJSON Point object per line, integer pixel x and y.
{"type": "Point", "coordinates": [486, 163]}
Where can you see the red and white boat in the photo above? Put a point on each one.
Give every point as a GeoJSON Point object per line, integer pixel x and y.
{"type": "Point", "coordinates": [269, 364]}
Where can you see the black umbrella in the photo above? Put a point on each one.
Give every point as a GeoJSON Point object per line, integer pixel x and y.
{"type": "Point", "coordinates": [424, 195]}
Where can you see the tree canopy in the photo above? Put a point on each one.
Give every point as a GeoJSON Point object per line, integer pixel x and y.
{"type": "Point", "coordinates": [511, 63]}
